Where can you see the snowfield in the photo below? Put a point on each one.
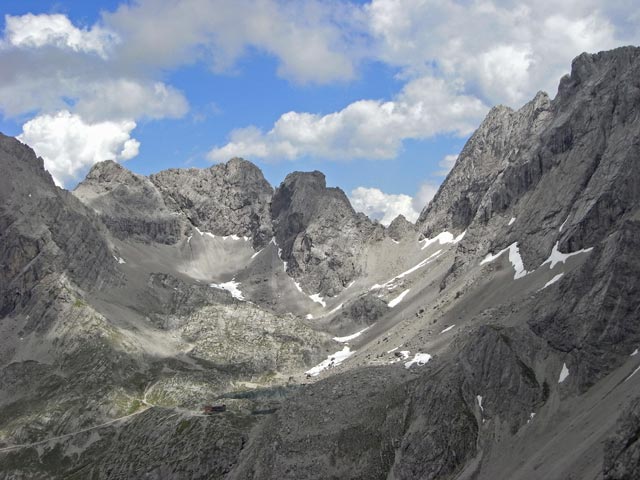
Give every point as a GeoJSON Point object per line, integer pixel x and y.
{"type": "Point", "coordinates": [231, 287]}
{"type": "Point", "coordinates": [331, 361]}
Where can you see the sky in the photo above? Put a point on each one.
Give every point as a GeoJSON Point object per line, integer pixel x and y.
{"type": "Point", "coordinates": [379, 95]}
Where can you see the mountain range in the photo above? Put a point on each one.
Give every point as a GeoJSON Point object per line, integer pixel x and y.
{"type": "Point", "coordinates": [497, 337]}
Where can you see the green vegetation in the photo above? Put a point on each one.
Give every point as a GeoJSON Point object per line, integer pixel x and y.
{"type": "Point", "coordinates": [79, 303]}
{"type": "Point", "coordinates": [182, 427]}
{"type": "Point", "coordinates": [134, 407]}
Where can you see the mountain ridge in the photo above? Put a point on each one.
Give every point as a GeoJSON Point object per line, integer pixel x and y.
{"type": "Point", "coordinates": [495, 338]}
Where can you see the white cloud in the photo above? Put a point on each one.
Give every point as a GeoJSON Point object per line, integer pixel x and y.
{"type": "Point", "coordinates": [128, 98]}
{"type": "Point", "coordinates": [373, 129]}
{"type": "Point", "coordinates": [69, 146]}
{"type": "Point", "coordinates": [37, 31]}
{"type": "Point", "coordinates": [382, 206]}
{"type": "Point", "coordinates": [309, 38]}
{"type": "Point", "coordinates": [425, 193]}
{"type": "Point", "coordinates": [446, 164]}
{"type": "Point", "coordinates": [504, 51]}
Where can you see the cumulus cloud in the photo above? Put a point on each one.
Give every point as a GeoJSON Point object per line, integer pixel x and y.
{"type": "Point", "coordinates": [69, 145]}
{"type": "Point", "coordinates": [446, 164]}
{"type": "Point", "coordinates": [382, 206]}
{"type": "Point", "coordinates": [313, 41]}
{"type": "Point", "coordinates": [37, 31]}
{"type": "Point", "coordinates": [504, 51]}
{"type": "Point", "coordinates": [129, 98]}
{"type": "Point", "coordinates": [424, 195]}
{"type": "Point", "coordinates": [372, 129]}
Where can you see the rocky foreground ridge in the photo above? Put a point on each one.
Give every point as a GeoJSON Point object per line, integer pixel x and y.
{"type": "Point", "coordinates": [497, 337]}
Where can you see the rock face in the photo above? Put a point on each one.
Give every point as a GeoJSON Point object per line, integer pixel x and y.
{"type": "Point", "coordinates": [319, 233]}
{"type": "Point", "coordinates": [361, 313]}
{"type": "Point", "coordinates": [501, 139]}
{"type": "Point", "coordinates": [400, 228]}
{"type": "Point", "coordinates": [44, 232]}
{"type": "Point", "coordinates": [622, 450]}
{"type": "Point", "coordinates": [227, 199]}
{"type": "Point", "coordinates": [581, 146]}
{"type": "Point", "coordinates": [130, 205]}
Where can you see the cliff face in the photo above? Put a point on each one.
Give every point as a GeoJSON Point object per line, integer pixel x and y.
{"type": "Point", "coordinates": [44, 232]}
{"type": "Point", "coordinates": [320, 235]}
{"type": "Point", "coordinates": [227, 199]}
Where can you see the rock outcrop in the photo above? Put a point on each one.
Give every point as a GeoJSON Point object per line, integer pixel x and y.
{"type": "Point", "coordinates": [320, 235]}
{"type": "Point", "coordinates": [130, 205]}
{"type": "Point", "coordinates": [227, 199]}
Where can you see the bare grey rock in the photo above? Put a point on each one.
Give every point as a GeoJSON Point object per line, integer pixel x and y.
{"type": "Point", "coordinates": [320, 234]}
{"type": "Point", "coordinates": [401, 228]}
{"type": "Point", "coordinates": [361, 313]}
{"type": "Point", "coordinates": [130, 205]}
{"type": "Point", "coordinates": [622, 450]}
{"type": "Point", "coordinates": [227, 199]}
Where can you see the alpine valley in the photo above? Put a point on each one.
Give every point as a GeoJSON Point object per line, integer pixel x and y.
{"type": "Point", "coordinates": [495, 338]}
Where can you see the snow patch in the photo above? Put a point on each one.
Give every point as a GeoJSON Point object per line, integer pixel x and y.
{"type": "Point", "coordinates": [336, 309]}
{"type": "Point", "coordinates": [459, 237]}
{"type": "Point", "coordinates": [331, 361]}
{"type": "Point", "coordinates": [553, 280]}
{"type": "Point", "coordinates": [565, 222]}
{"type": "Point", "coordinates": [418, 359]}
{"type": "Point", "coordinates": [202, 234]}
{"type": "Point", "coordinates": [350, 337]}
{"type": "Point", "coordinates": [447, 329]}
{"type": "Point", "coordinates": [405, 354]}
{"type": "Point", "coordinates": [318, 299]}
{"type": "Point", "coordinates": [399, 298]}
{"type": "Point", "coordinates": [395, 241]}
{"type": "Point", "coordinates": [514, 258]}
{"type": "Point", "coordinates": [392, 350]}
{"type": "Point", "coordinates": [558, 257]}
{"type": "Point", "coordinates": [442, 238]}
{"type": "Point", "coordinates": [564, 373]}
{"type": "Point", "coordinates": [309, 316]}
{"type": "Point", "coordinates": [350, 285]}
{"type": "Point", "coordinates": [256, 254]}
{"type": "Point", "coordinates": [479, 399]}
{"type": "Point", "coordinates": [231, 286]}
{"type": "Point", "coordinates": [512, 221]}
{"type": "Point", "coordinates": [632, 373]}
{"type": "Point", "coordinates": [635, 352]}
{"type": "Point", "coordinates": [298, 287]}
{"type": "Point", "coordinates": [120, 260]}
{"type": "Point", "coordinates": [404, 274]}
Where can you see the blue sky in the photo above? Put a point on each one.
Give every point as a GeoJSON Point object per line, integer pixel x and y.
{"type": "Point", "coordinates": [378, 95]}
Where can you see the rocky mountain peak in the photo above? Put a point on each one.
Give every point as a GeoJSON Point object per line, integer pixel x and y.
{"type": "Point", "coordinates": [400, 227]}
{"type": "Point", "coordinates": [497, 142]}
{"type": "Point", "coordinates": [318, 231]}
{"type": "Point", "coordinates": [226, 199]}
